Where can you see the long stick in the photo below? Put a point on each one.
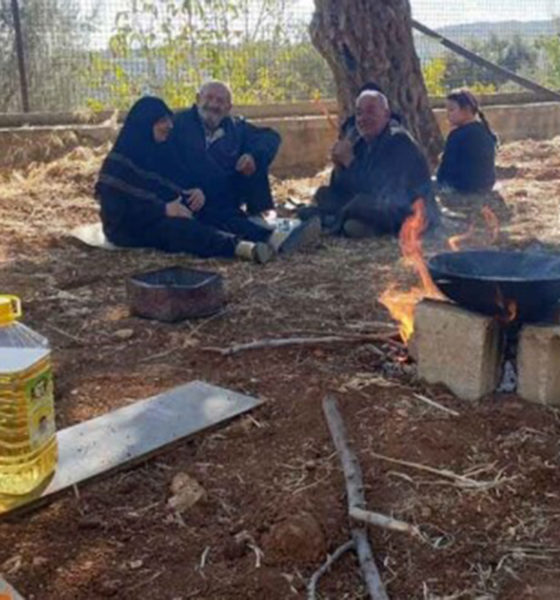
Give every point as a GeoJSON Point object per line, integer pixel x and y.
{"type": "Point", "coordinates": [355, 497]}
{"type": "Point", "coordinates": [373, 582]}
{"type": "Point", "coordinates": [299, 341]}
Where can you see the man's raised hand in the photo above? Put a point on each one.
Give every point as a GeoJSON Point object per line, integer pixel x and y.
{"type": "Point", "coordinates": [342, 153]}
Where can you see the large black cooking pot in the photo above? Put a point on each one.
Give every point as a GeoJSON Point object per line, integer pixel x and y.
{"type": "Point", "coordinates": [488, 281]}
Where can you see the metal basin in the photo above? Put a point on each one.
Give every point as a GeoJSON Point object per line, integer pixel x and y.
{"type": "Point", "coordinates": [175, 293]}
{"type": "Point", "coordinates": [491, 281]}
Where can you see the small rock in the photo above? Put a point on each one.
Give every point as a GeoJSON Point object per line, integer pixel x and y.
{"type": "Point", "coordinates": [109, 587]}
{"type": "Point", "coordinates": [135, 564]}
{"type": "Point", "coordinates": [124, 334]}
{"type": "Point", "coordinates": [426, 512]}
{"type": "Point", "coordinates": [40, 561]}
{"type": "Point", "coordinates": [116, 313]}
{"type": "Point", "coordinates": [299, 537]}
{"type": "Point", "coordinates": [235, 548]}
{"type": "Point", "coordinates": [186, 492]}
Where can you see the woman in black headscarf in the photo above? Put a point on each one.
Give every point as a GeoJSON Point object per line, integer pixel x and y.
{"type": "Point", "coordinates": [142, 208]}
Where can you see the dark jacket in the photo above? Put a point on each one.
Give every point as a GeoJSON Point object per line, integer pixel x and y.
{"type": "Point", "coordinates": [383, 181]}
{"type": "Point", "coordinates": [467, 163]}
{"type": "Point", "coordinates": [212, 167]}
{"type": "Point", "coordinates": [130, 188]}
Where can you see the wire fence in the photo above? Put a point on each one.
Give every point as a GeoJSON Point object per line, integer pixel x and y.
{"type": "Point", "coordinates": [98, 54]}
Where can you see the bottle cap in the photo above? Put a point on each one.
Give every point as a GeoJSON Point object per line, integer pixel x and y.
{"type": "Point", "coordinates": [10, 309]}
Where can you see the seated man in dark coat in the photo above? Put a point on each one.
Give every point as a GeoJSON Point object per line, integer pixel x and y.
{"type": "Point", "coordinates": [227, 157]}
{"type": "Point", "coordinates": [376, 178]}
{"type": "Point", "coordinates": [348, 128]}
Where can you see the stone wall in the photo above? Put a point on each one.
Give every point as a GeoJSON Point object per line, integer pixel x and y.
{"type": "Point", "coordinates": [306, 139]}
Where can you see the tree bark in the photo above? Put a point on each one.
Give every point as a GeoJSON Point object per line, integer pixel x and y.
{"type": "Point", "coordinates": [371, 40]}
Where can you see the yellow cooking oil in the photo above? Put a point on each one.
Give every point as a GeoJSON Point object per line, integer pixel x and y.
{"type": "Point", "coordinates": [28, 448]}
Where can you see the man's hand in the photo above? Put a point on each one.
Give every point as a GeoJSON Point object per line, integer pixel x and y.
{"type": "Point", "coordinates": [177, 210]}
{"type": "Point", "coordinates": [246, 165]}
{"type": "Point", "coordinates": [195, 199]}
{"type": "Point", "coordinates": [342, 153]}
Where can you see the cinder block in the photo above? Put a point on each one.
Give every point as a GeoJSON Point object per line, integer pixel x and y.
{"type": "Point", "coordinates": [458, 348]}
{"type": "Point", "coordinates": [538, 364]}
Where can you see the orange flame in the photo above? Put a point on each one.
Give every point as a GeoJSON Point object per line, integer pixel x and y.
{"type": "Point", "coordinates": [455, 241]}
{"type": "Point", "coordinates": [401, 304]}
{"type": "Point", "coordinates": [492, 223]}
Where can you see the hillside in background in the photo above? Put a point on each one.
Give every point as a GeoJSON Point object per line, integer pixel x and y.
{"type": "Point", "coordinates": [526, 29]}
{"type": "Point", "coordinates": [467, 33]}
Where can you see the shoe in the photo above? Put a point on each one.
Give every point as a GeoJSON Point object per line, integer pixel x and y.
{"type": "Point", "coordinates": [258, 252]}
{"type": "Point", "coordinates": [353, 228]}
{"type": "Point", "coordinates": [263, 253]}
{"type": "Point", "coordinates": [304, 235]}
{"type": "Point", "coordinates": [307, 212]}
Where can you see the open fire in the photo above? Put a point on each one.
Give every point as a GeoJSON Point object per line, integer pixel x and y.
{"type": "Point", "coordinates": [401, 303]}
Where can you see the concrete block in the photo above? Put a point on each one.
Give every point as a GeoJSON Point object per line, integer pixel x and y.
{"type": "Point", "coordinates": [458, 348]}
{"type": "Point", "coordinates": [538, 364]}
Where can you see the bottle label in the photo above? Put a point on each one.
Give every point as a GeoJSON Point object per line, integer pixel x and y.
{"type": "Point", "coordinates": [40, 408]}
{"type": "Point", "coordinates": [7, 592]}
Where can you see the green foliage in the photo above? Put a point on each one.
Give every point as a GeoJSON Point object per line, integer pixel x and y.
{"type": "Point", "coordinates": [551, 48]}
{"type": "Point", "coordinates": [434, 76]}
{"type": "Point", "coordinates": [53, 32]}
{"type": "Point", "coordinates": [513, 54]}
{"type": "Point", "coordinates": [265, 57]}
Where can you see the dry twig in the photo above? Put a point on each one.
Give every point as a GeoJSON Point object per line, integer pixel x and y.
{"type": "Point", "coordinates": [380, 520]}
{"type": "Point", "coordinates": [435, 404]}
{"type": "Point", "coordinates": [298, 341]}
{"type": "Point", "coordinates": [461, 481]}
{"type": "Point", "coordinates": [355, 497]}
{"type": "Point", "coordinates": [312, 585]}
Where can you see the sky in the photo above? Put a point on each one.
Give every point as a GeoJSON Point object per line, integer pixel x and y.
{"type": "Point", "coordinates": [449, 12]}
{"type": "Point", "coordinates": [433, 13]}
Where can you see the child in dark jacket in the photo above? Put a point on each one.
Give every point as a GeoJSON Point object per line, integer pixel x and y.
{"type": "Point", "coordinates": [468, 158]}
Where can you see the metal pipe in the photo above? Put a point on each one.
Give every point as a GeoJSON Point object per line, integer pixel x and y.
{"type": "Point", "coordinates": [20, 57]}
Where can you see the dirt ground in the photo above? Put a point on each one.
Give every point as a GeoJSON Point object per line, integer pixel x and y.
{"type": "Point", "coordinates": [275, 501]}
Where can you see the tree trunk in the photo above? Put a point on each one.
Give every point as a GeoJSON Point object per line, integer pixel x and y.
{"type": "Point", "coordinates": [371, 40]}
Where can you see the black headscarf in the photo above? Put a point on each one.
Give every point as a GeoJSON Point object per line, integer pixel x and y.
{"type": "Point", "coordinates": [136, 138]}
{"type": "Point", "coordinates": [137, 164]}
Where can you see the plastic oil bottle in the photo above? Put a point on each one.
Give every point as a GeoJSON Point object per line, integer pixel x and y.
{"type": "Point", "coordinates": [28, 448]}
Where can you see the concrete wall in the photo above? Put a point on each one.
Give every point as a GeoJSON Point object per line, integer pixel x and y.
{"type": "Point", "coordinates": [306, 139]}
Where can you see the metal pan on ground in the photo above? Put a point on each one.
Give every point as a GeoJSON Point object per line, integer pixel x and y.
{"type": "Point", "coordinates": [522, 286]}
{"type": "Point", "coordinates": [175, 294]}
